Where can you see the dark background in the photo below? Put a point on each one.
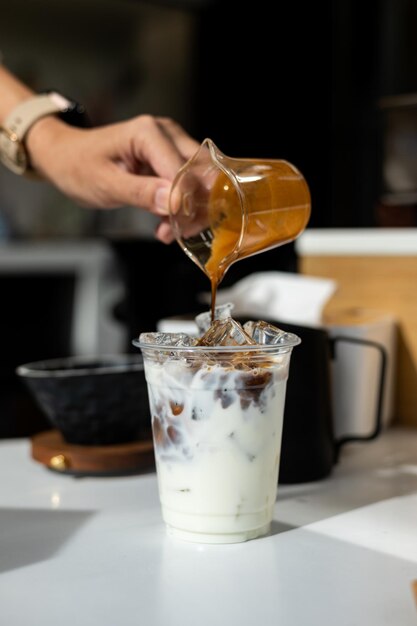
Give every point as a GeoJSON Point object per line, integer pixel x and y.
{"type": "Point", "coordinates": [300, 82]}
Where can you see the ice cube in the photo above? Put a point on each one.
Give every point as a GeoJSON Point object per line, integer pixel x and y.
{"type": "Point", "coordinates": [221, 312]}
{"type": "Point", "coordinates": [264, 333]}
{"type": "Point", "coordinates": [172, 340]}
{"type": "Point", "coordinates": [225, 333]}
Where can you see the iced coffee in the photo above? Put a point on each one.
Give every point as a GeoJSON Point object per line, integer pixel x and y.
{"type": "Point", "coordinates": [217, 405]}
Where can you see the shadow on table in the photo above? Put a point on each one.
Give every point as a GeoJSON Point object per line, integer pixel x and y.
{"type": "Point", "coordinates": [303, 504]}
{"type": "Point", "coordinates": [32, 535]}
{"type": "Point", "coordinates": [279, 527]}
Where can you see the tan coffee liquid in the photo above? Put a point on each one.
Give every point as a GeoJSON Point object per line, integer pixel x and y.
{"type": "Point", "coordinates": [276, 210]}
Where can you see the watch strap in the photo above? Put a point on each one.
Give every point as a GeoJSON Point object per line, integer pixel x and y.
{"type": "Point", "coordinates": [19, 121]}
{"type": "Point", "coordinates": [26, 113]}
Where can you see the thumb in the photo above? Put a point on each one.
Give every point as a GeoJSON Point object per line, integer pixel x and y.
{"type": "Point", "coordinates": [146, 192]}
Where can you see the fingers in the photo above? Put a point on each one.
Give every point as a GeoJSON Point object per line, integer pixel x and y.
{"type": "Point", "coordinates": [163, 144]}
{"type": "Point", "coordinates": [185, 144]}
{"type": "Point", "coordinates": [139, 160]}
{"type": "Point", "coordinates": [164, 232]}
{"type": "Point", "coordinates": [145, 192]}
{"type": "Point", "coordinates": [151, 145]}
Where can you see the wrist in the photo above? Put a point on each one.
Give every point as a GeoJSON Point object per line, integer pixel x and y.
{"type": "Point", "coordinates": [43, 136]}
{"type": "Point", "coordinates": [19, 123]}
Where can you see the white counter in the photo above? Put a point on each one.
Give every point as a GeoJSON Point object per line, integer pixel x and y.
{"type": "Point", "coordinates": [357, 242]}
{"type": "Point", "coordinates": [93, 551]}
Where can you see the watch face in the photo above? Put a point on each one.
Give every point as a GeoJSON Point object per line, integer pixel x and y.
{"type": "Point", "coordinates": [76, 115]}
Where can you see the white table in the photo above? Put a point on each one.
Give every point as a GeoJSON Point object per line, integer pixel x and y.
{"type": "Point", "coordinates": [93, 551]}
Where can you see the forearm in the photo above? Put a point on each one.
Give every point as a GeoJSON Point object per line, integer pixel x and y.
{"type": "Point", "coordinates": [12, 91]}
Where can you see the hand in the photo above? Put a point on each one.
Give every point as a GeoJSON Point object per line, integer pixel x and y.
{"type": "Point", "coordinates": [129, 163]}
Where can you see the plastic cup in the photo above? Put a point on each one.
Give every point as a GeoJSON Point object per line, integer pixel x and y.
{"type": "Point", "coordinates": [217, 416]}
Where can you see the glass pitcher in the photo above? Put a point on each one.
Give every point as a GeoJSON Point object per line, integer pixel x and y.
{"type": "Point", "coordinates": [223, 209]}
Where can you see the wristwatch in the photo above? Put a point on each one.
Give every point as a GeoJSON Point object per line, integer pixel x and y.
{"type": "Point", "coordinates": [13, 152]}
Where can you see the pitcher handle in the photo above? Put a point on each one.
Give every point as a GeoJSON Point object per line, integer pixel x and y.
{"type": "Point", "coordinates": [382, 375]}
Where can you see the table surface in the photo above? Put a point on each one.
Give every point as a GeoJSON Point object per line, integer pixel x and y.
{"type": "Point", "coordinates": [94, 552]}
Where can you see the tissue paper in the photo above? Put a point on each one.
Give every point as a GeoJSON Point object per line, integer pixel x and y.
{"type": "Point", "coordinates": [284, 296]}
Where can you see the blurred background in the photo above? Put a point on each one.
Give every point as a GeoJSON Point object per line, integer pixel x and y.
{"type": "Point", "coordinates": [331, 88]}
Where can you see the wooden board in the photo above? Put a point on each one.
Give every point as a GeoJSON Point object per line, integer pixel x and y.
{"type": "Point", "coordinates": [50, 449]}
{"type": "Point", "coordinates": [387, 283]}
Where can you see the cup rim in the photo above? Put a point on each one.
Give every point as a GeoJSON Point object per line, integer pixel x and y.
{"type": "Point", "coordinates": [71, 367]}
{"type": "Point", "coordinates": [291, 341]}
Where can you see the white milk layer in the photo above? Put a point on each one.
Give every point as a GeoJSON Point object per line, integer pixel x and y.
{"type": "Point", "coordinates": [217, 434]}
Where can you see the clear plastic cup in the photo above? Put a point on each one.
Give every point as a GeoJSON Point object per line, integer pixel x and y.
{"type": "Point", "coordinates": [217, 416]}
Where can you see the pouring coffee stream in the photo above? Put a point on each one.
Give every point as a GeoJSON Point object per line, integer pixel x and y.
{"type": "Point", "coordinates": [223, 209]}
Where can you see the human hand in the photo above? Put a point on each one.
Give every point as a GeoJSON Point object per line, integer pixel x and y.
{"type": "Point", "coordinates": [128, 163]}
